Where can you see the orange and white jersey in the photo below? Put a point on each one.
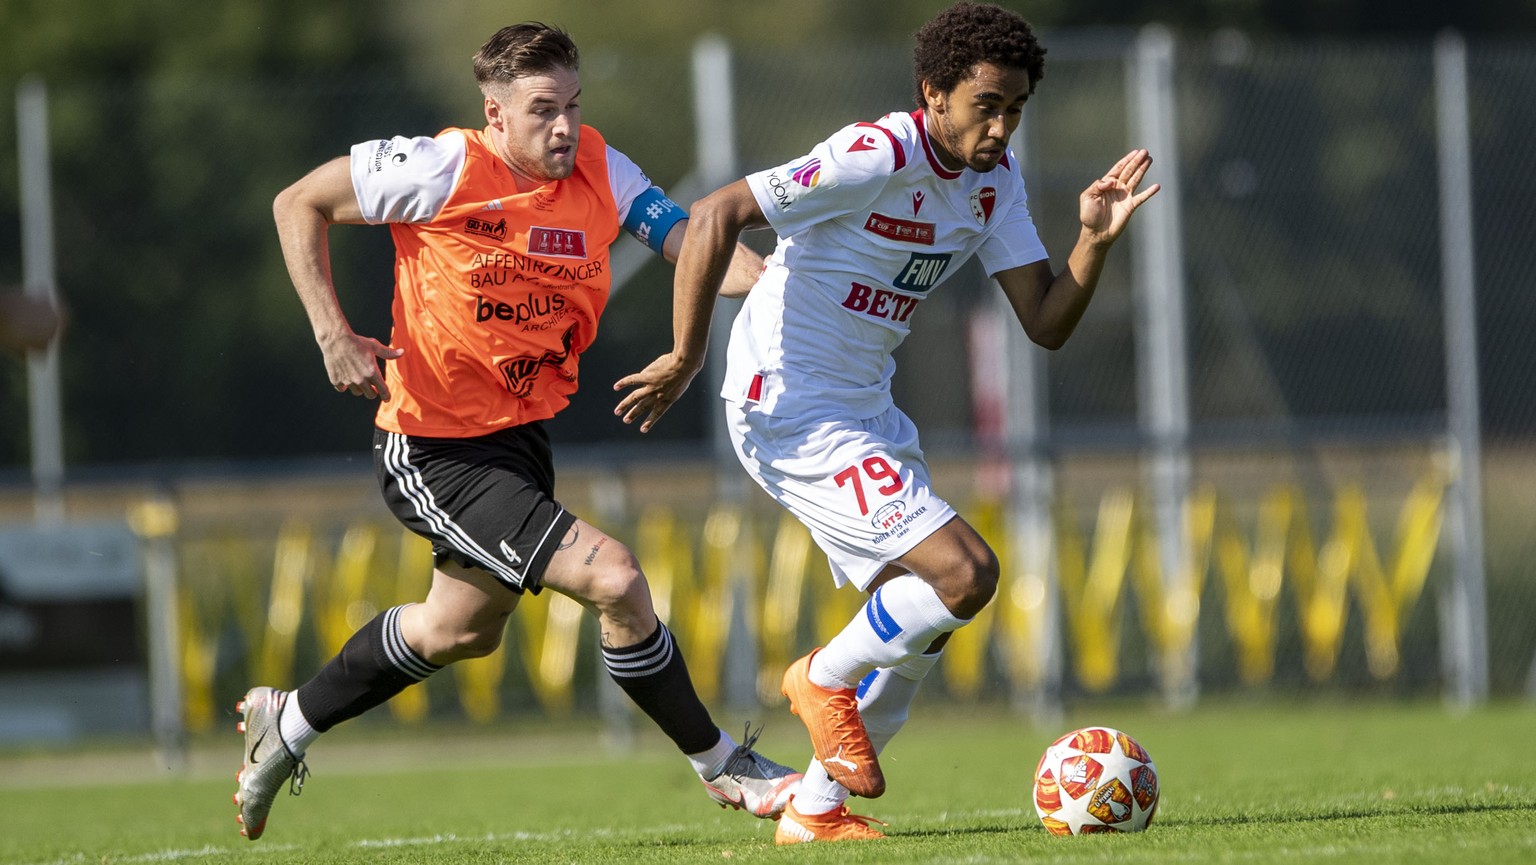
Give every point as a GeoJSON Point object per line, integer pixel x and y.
{"type": "Point", "coordinates": [497, 292]}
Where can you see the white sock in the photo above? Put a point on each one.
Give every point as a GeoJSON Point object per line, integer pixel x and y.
{"type": "Point", "coordinates": [899, 621]}
{"type": "Point", "coordinates": [711, 763]}
{"type": "Point", "coordinates": [294, 728]}
{"type": "Point", "coordinates": [818, 794]}
{"type": "Point", "coordinates": [885, 697]}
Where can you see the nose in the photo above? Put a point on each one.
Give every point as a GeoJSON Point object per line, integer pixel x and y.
{"type": "Point", "coordinates": [564, 124]}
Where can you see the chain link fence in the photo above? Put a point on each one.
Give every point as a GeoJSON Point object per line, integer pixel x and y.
{"type": "Point", "coordinates": [1315, 335]}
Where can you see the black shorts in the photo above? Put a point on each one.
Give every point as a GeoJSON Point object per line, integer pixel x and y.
{"type": "Point", "coordinates": [485, 502]}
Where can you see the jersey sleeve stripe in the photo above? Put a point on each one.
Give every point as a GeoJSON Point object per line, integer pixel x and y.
{"type": "Point", "coordinates": [896, 148]}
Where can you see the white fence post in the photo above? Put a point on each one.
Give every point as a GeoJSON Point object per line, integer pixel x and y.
{"type": "Point", "coordinates": [40, 279]}
{"type": "Point", "coordinates": [1161, 344]}
{"type": "Point", "coordinates": [714, 111]}
{"type": "Point", "coordinates": [1463, 600]}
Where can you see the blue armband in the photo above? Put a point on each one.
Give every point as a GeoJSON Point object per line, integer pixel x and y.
{"type": "Point", "coordinates": [651, 217]}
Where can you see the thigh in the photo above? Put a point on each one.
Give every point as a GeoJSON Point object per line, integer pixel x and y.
{"type": "Point", "coordinates": [861, 487]}
{"type": "Point", "coordinates": [483, 502]}
{"type": "Point", "coordinates": [467, 599]}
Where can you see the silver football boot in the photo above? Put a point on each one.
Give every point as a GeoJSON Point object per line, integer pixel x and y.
{"type": "Point", "coordinates": [751, 782]}
{"type": "Point", "coordinates": [268, 763]}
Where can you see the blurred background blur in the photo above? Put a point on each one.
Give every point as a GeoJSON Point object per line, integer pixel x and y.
{"type": "Point", "coordinates": [1289, 450]}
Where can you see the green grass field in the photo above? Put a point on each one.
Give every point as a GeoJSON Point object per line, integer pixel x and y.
{"type": "Point", "coordinates": [1242, 782]}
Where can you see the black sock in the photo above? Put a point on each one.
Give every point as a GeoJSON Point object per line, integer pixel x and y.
{"type": "Point", "coordinates": [653, 674]}
{"type": "Point", "coordinates": [374, 665]}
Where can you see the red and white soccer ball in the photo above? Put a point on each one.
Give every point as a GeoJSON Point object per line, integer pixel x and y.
{"type": "Point", "coordinates": [1095, 780]}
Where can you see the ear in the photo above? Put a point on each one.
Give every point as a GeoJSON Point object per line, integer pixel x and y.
{"type": "Point", "coordinates": [937, 100]}
{"type": "Point", "coordinates": [493, 115]}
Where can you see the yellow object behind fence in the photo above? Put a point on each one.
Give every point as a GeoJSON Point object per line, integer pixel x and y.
{"type": "Point", "coordinates": [699, 570]}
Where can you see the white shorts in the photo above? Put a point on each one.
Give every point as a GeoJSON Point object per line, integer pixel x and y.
{"type": "Point", "coordinates": [860, 486]}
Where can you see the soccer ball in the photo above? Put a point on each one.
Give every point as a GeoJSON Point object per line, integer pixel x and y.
{"type": "Point", "coordinates": [1095, 780]}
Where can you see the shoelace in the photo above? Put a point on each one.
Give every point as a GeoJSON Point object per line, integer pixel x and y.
{"type": "Point", "coordinates": [845, 814]}
{"type": "Point", "coordinates": [298, 777]}
{"type": "Point", "coordinates": [845, 713]}
{"type": "Point", "coordinates": [744, 750]}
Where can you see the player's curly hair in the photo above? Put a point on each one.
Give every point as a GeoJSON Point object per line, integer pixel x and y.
{"type": "Point", "coordinates": [965, 34]}
{"type": "Point", "coordinates": [523, 49]}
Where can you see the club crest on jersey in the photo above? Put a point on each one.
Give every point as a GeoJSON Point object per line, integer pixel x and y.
{"type": "Point", "coordinates": [982, 202]}
{"type": "Point", "coordinates": [485, 228]}
{"type": "Point", "coordinates": [557, 242]}
{"type": "Point", "coordinates": [922, 271]}
{"type": "Point", "coordinates": [807, 175]}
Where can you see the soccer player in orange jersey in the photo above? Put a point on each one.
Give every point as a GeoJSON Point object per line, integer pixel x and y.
{"type": "Point", "coordinates": [501, 274]}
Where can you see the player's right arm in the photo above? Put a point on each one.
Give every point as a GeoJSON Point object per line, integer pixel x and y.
{"type": "Point", "coordinates": [304, 213]}
{"type": "Point", "coordinates": [709, 247]}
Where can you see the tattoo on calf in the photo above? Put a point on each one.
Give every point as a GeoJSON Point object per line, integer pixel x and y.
{"type": "Point", "coordinates": [570, 539]}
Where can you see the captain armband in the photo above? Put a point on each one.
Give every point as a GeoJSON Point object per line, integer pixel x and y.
{"type": "Point", "coordinates": [651, 217]}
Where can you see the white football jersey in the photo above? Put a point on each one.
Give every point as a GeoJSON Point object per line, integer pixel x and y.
{"type": "Point", "coordinates": [869, 224]}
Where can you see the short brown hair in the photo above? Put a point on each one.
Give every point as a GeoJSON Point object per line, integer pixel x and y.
{"type": "Point", "coordinates": [965, 34]}
{"type": "Point", "coordinates": [523, 49]}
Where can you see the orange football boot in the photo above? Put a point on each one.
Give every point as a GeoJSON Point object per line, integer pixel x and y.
{"type": "Point", "coordinates": [837, 732]}
{"type": "Point", "coordinates": [835, 825]}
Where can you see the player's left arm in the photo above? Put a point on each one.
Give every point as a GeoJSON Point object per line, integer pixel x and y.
{"type": "Point", "coordinates": [1049, 305]}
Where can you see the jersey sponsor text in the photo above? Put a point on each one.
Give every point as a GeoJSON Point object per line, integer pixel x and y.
{"type": "Point", "coordinates": [922, 271]}
{"type": "Point", "coordinates": [879, 303]}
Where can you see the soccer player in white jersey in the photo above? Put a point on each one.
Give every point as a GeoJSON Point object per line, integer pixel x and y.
{"type": "Point", "coordinates": [870, 223]}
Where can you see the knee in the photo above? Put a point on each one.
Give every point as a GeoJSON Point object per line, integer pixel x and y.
{"type": "Point", "coordinates": [478, 643]}
{"type": "Point", "coordinates": [462, 641]}
{"type": "Point", "coordinates": [973, 584]}
{"type": "Point", "coordinates": [618, 590]}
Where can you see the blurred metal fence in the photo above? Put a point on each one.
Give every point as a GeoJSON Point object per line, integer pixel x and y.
{"type": "Point", "coordinates": [1320, 459]}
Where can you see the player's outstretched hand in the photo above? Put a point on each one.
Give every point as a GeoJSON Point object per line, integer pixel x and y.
{"type": "Point", "coordinates": [352, 362]}
{"type": "Point", "coordinates": [1107, 204]}
{"type": "Point", "coordinates": [656, 388]}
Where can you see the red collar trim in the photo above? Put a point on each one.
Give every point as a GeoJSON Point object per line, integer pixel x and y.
{"type": "Point", "coordinates": [933, 161]}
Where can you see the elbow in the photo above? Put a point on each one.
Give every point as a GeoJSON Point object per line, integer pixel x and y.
{"type": "Point", "coordinates": [711, 215]}
{"type": "Point", "coordinates": [283, 203]}
{"type": "Point", "coordinates": [1047, 338]}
